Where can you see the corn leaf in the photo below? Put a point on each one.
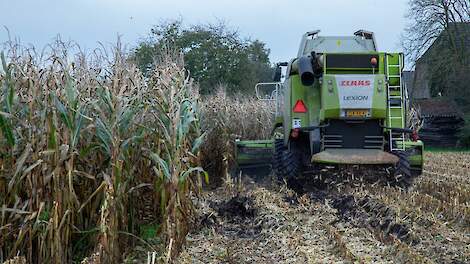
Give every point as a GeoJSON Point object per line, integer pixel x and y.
{"type": "Point", "coordinates": [125, 119]}
{"type": "Point", "coordinates": [77, 127]}
{"type": "Point", "coordinates": [7, 85]}
{"type": "Point", "coordinates": [19, 166]}
{"type": "Point", "coordinates": [4, 62]}
{"type": "Point", "coordinates": [104, 136]}
{"type": "Point", "coordinates": [7, 130]}
{"type": "Point", "coordinates": [188, 172]}
{"type": "Point", "coordinates": [90, 148]}
{"type": "Point", "coordinates": [52, 142]}
{"type": "Point", "coordinates": [130, 140]}
{"type": "Point", "coordinates": [70, 91]}
{"type": "Point", "coordinates": [63, 113]}
{"type": "Point", "coordinates": [105, 97]}
{"type": "Point", "coordinates": [10, 96]}
{"type": "Point", "coordinates": [162, 163]}
{"type": "Point", "coordinates": [188, 116]}
{"type": "Point", "coordinates": [198, 142]}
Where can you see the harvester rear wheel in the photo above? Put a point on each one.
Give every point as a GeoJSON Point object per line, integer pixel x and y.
{"type": "Point", "coordinates": [292, 164]}
{"type": "Point", "coordinates": [279, 149]}
{"type": "Point", "coordinates": [287, 162]}
{"type": "Point", "coordinates": [402, 174]}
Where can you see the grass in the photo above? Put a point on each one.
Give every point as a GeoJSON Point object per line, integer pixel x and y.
{"type": "Point", "coordinates": [440, 149]}
{"type": "Point", "coordinates": [83, 137]}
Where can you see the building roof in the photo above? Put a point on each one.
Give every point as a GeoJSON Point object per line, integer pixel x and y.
{"type": "Point", "coordinates": [434, 70]}
{"type": "Point", "coordinates": [437, 107]}
{"type": "Point", "coordinates": [459, 30]}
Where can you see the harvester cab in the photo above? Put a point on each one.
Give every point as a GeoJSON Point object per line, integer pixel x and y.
{"type": "Point", "coordinates": [342, 103]}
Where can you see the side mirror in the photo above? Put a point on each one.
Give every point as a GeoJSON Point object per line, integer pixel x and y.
{"type": "Point", "coordinates": [277, 74]}
{"type": "Point", "coordinates": [278, 71]}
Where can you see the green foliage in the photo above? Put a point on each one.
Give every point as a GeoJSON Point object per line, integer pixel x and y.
{"type": "Point", "coordinates": [149, 231]}
{"type": "Point", "coordinates": [7, 100]}
{"type": "Point", "coordinates": [213, 55]}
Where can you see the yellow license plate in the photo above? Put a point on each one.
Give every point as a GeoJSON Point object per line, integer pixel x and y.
{"type": "Point", "coordinates": [357, 113]}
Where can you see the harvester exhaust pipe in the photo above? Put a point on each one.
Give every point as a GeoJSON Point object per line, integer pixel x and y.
{"type": "Point", "coordinates": [307, 76]}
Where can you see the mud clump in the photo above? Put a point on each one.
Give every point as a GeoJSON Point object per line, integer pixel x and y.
{"type": "Point", "coordinates": [346, 206]}
{"type": "Point", "coordinates": [319, 195]}
{"type": "Point", "coordinates": [236, 217]}
{"type": "Point", "coordinates": [237, 207]}
{"type": "Point", "coordinates": [384, 219]}
{"type": "Point", "coordinates": [367, 212]}
{"type": "Point", "coordinates": [208, 220]}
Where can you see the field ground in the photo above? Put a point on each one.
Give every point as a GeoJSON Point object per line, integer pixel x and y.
{"type": "Point", "coordinates": [268, 223]}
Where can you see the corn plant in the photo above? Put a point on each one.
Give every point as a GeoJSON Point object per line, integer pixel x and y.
{"type": "Point", "coordinates": [177, 140]}
{"type": "Point", "coordinates": [79, 134]}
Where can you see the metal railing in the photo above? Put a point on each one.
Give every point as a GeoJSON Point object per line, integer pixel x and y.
{"type": "Point", "coordinates": [271, 92]}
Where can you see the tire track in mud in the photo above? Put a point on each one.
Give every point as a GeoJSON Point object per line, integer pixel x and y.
{"type": "Point", "coordinates": [414, 232]}
{"type": "Point", "coordinates": [368, 230]}
{"type": "Point", "coordinates": [288, 229]}
{"type": "Point", "coordinates": [442, 237]}
{"type": "Point", "coordinates": [348, 223]}
{"type": "Point", "coordinates": [276, 225]}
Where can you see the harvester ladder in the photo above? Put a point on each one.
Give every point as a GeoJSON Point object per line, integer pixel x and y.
{"type": "Point", "coordinates": [395, 102]}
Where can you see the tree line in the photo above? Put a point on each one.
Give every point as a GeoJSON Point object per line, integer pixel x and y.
{"type": "Point", "coordinates": [214, 55]}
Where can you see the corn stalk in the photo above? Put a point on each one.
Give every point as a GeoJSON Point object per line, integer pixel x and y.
{"type": "Point", "coordinates": [78, 135]}
{"type": "Point", "coordinates": [174, 105]}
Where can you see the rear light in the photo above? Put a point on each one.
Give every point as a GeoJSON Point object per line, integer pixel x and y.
{"type": "Point", "coordinates": [414, 136]}
{"type": "Point", "coordinates": [300, 107]}
{"type": "Point", "coordinates": [373, 61]}
{"type": "Point", "coordinates": [295, 133]}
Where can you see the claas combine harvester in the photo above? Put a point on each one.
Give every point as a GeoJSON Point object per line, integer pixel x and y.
{"type": "Point", "coordinates": [342, 106]}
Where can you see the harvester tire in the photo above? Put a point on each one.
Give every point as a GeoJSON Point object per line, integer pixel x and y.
{"type": "Point", "coordinates": [286, 162]}
{"type": "Point", "coordinates": [279, 149]}
{"type": "Point", "coordinates": [292, 164]}
{"type": "Point", "coordinates": [402, 175]}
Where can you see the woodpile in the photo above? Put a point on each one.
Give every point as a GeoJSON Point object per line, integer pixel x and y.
{"type": "Point", "coordinates": [442, 122]}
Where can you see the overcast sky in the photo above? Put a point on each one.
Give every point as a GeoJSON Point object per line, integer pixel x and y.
{"type": "Point", "coordinates": [278, 23]}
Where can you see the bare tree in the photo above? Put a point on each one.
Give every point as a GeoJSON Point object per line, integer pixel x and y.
{"type": "Point", "coordinates": [440, 29]}
{"type": "Point", "coordinates": [429, 18]}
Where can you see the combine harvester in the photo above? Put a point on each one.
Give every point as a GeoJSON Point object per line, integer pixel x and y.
{"type": "Point", "coordinates": [342, 106]}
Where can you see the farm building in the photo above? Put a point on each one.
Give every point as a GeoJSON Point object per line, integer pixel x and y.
{"type": "Point", "coordinates": [444, 68]}
{"type": "Point", "coordinates": [439, 86]}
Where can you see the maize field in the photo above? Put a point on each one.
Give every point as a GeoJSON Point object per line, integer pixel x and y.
{"type": "Point", "coordinates": [103, 164]}
{"type": "Point", "coordinates": [94, 155]}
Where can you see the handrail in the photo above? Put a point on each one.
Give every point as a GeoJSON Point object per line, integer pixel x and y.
{"type": "Point", "coordinates": [274, 94]}
{"type": "Point", "coordinates": [274, 97]}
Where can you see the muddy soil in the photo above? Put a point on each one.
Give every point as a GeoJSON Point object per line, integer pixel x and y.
{"type": "Point", "coordinates": [267, 222]}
